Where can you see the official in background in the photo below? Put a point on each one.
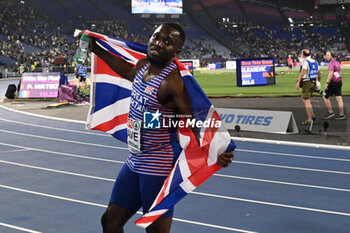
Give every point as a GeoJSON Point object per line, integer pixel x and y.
{"type": "Point", "coordinates": [308, 76]}
{"type": "Point", "coordinates": [333, 87]}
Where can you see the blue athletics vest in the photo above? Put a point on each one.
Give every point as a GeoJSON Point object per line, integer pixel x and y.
{"type": "Point", "coordinates": [158, 147]}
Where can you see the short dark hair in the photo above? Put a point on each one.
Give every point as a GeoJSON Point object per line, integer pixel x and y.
{"type": "Point", "coordinates": [332, 53]}
{"type": "Point", "coordinates": [305, 53]}
{"type": "Point", "coordinates": [179, 29]}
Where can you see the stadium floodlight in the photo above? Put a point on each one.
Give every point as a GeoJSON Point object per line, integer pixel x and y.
{"type": "Point", "coordinates": [290, 20]}
{"type": "Point", "coordinates": [22, 2]}
{"type": "Point", "coordinates": [234, 25]}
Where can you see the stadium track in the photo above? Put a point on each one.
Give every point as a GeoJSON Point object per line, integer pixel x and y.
{"type": "Point", "coordinates": [56, 177]}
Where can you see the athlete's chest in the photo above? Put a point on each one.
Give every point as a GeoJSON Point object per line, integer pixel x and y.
{"type": "Point", "coordinates": [158, 86]}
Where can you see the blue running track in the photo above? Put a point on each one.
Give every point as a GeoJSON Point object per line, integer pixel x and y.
{"type": "Point", "coordinates": [57, 177]}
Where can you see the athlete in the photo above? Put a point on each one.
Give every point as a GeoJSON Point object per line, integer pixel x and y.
{"type": "Point", "coordinates": [309, 74]}
{"type": "Point", "coordinates": [157, 85]}
{"type": "Point", "coordinates": [290, 64]}
{"type": "Point", "coordinates": [80, 76]}
{"type": "Point", "coordinates": [333, 87]}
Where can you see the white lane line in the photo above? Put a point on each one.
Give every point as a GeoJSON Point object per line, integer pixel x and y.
{"type": "Point", "coordinates": [292, 155]}
{"type": "Point", "coordinates": [18, 228]}
{"type": "Point", "coordinates": [52, 196]}
{"type": "Point", "coordinates": [41, 116]}
{"type": "Point", "coordinates": [274, 204]}
{"type": "Point", "coordinates": [55, 128]}
{"type": "Point", "coordinates": [290, 143]}
{"type": "Point", "coordinates": [212, 225]}
{"type": "Point", "coordinates": [196, 193]}
{"type": "Point", "coordinates": [295, 168]}
{"type": "Point", "coordinates": [242, 139]}
{"type": "Point", "coordinates": [11, 151]}
{"type": "Point", "coordinates": [283, 183]}
{"type": "Point", "coordinates": [64, 154]}
{"type": "Point", "coordinates": [56, 171]}
{"type": "Point", "coordinates": [105, 206]}
{"type": "Point", "coordinates": [217, 174]}
{"type": "Point", "coordinates": [63, 140]}
{"type": "Point", "coordinates": [237, 139]}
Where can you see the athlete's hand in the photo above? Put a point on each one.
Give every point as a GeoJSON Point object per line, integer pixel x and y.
{"type": "Point", "coordinates": [297, 86]}
{"type": "Point", "coordinates": [92, 44]}
{"type": "Point", "coordinates": [225, 159]}
{"type": "Point", "coordinates": [326, 86]}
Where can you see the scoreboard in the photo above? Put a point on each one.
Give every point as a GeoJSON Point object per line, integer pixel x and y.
{"type": "Point", "coordinates": [255, 72]}
{"type": "Point", "coordinates": [39, 85]}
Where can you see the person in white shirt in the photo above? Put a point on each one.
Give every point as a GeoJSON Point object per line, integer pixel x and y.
{"type": "Point", "coordinates": [307, 80]}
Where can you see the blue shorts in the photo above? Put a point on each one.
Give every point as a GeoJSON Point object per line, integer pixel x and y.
{"type": "Point", "coordinates": [133, 190]}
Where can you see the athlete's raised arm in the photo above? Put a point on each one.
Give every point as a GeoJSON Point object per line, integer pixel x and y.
{"type": "Point", "coordinates": [118, 65]}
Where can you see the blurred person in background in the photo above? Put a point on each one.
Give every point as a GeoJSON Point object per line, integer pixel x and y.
{"type": "Point", "coordinates": [290, 63]}
{"type": "Point", "coordinates": [309, 74]}
{"type": "Point", "coordinates": [333, 87]}
{"type": "Point", "coordinates": [80, 76]}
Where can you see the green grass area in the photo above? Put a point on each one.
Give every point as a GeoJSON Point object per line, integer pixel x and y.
{"type": "Point", "coordinates": [220, 83]}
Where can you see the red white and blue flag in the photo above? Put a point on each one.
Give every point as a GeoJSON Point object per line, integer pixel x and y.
{"type": "Point", "coordinates": [110, 100]}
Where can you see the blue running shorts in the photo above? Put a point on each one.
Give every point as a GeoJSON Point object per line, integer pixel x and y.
{"type": "Point", "coordinates": [134, 190]}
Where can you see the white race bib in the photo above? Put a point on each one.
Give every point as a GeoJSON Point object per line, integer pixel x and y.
{"type": "Point", "coordinates": [134, 135]}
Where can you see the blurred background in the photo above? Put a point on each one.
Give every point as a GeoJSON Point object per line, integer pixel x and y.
{"type": "Point", "coordinates": [37, 35]}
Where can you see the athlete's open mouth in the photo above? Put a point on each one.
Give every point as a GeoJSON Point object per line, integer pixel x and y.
{"type": "Point", "coordinates": [154, 52]}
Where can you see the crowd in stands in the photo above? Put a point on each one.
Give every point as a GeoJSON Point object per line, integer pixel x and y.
{"type": "Point", "coordinates": [262, 41]}
{"type": "Point", "coordinates": [35, 40]}
{"type": "Point", "coordinates": [31, 38]}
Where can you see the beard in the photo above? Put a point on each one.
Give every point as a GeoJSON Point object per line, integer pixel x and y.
{"type": "Point", "coordinates": [158, 61]}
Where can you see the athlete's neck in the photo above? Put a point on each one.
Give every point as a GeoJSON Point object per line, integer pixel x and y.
{"type": "Point", "coordinates": [156, 68]}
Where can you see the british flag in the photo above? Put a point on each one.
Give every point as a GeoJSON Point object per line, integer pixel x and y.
{"type": "Point", "coordinates": [109, 109]}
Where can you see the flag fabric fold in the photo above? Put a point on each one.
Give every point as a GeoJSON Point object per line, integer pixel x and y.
{"type": "Point", "coordinates": [110, 99]}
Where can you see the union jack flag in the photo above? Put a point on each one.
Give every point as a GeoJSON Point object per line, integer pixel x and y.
{"type": "Point", "coordinates": [109, 110]}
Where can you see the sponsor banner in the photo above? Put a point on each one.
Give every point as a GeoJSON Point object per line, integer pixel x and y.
{"type": "Point", "coordinates": [345, 63]}
{"type": "Point", "coordinates": [39, 85]}
{"type": "Point", "coordinates": [230, 65]}
{"type": "Point", "coordinates": [212, 66]}
{"type": "Point", "coordinates": [259, 120]}
{"type": "Point", "coordinates": [195, 62]}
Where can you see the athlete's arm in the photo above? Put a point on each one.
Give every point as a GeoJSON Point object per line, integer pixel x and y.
{"type": "Point", "coordinates": [118, 65]}
{"type": "Point", "coordinates": [183, 105]}
{"type": "Point", "coordinates": [181, 101]}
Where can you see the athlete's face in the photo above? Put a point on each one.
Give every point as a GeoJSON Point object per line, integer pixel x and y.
{"type": "Point", "coordinates": [328, 56]}
{"type": "Point", "coordinates": [164, 45]}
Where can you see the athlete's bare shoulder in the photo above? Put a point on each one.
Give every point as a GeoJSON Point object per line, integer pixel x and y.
{"type": "Point", "coordinates": [141, 63]}
{"type": "Point", "coordinates": [174, 80]}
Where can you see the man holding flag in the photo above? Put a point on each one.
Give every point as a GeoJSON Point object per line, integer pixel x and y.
{"type": "Point", "coordinates": [160, 94]}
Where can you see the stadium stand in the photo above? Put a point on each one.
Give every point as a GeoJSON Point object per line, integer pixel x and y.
{"type": "Point", "coordinates": [35, 34]}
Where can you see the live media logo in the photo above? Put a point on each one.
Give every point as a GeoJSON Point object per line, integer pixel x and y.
{"type": "Point", "coordinates": [151, 120]}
